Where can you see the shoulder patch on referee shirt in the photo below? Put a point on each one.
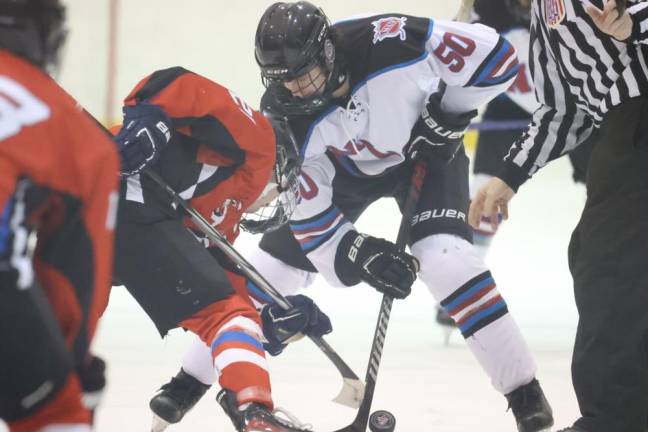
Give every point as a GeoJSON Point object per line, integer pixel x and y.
{"type": "Point", "coordinates": [554, 12]}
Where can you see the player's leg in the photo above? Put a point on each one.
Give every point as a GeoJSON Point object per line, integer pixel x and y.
{"type": "Point", "coordinates": [456, 275]}
{"type": "Point", "coordinates": [180, 284]}
{"type": "Point", "coordinates": [492, 146]}
{"type": "Point", "coordinates": [232, 329]}
{"type": "Point", "coordinates": [197, 373]}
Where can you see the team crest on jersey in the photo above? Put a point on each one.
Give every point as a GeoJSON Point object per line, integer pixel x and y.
{"type": "Point", "coordinates": [389, 28]}
{"type": "Point", "coordinates": [554, 12]}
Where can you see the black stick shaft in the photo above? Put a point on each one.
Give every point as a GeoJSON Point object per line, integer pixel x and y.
{"type": "Point", "coordinates": [362, 417]}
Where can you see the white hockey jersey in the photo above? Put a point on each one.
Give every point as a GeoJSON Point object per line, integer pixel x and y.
{"type": "Point", "coordinates": [395, 62]}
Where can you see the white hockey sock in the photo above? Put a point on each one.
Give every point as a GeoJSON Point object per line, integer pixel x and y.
{"type": "Point", "coordinates": [459, 280]}
{"type": "Point", "coordinates": [198, 362]}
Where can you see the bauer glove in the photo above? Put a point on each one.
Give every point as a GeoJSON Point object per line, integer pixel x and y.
{"type": "Point", "coordinates": [146, 130]}
{"type": "Point", "coordinates": [437, 135]}
{"type": "Point", "coordinates": [377, 262]}
{"type": "Point", "coordinates": [281, 327]}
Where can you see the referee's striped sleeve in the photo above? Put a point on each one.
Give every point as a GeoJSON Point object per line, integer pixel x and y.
{"type": "Point", "coordinates": [557, 125]}
{"type": "Point", "coordinates": [639, 15]}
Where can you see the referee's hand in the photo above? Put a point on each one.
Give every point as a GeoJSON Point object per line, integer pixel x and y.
{"type": "Point", "coordinates": [610, 22]}
{"type": "Point", "coordinates": [490, 201]}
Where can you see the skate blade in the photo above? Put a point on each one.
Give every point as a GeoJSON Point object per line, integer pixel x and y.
{"type": "Point", "coordinates": [158, 424]}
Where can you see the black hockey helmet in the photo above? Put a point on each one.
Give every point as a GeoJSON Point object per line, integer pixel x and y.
{"type": "Point", "coordinates": [520, 10]}
{"type": "Point", "coordinates": [291, 40]}
{"type": "Point", "coordinates": [280, 197]}
{"type": "Point", "coordinates": [34, 30]}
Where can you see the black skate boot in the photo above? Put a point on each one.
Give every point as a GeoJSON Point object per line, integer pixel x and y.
{"type": "Point", "coordinates": [530, 408]}
{"type": "Point", "coordinates": [257, 417]}
{"type": "Point", "coordinates": [175, 399]}
{"type": "Point", "coordinates": [572, 429]}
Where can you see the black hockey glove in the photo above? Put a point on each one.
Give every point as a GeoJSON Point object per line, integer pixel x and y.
{"type": "Point", "coordinates": [376, 262]}
{"type": "Point", "coordinates": [281, 327]}
{"type": "Point", "coordinates": [146, 130]}
{"type": "Point", "coordinates": [438, 135]}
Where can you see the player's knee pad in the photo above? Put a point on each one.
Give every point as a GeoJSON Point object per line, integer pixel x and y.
{"type": "Point", "coordinates": [460, 281]}
{"type": "Point", "coordinates": [286, 279]}
{"type": "Point", "coordinates": [447, 262]}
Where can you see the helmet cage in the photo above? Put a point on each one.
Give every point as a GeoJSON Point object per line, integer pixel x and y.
{"type": "Point", "coordinates": [284, 185]}
{"type": "Point", "coordinates": [318, 50]}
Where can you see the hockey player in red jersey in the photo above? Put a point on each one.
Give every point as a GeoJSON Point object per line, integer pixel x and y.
{"type": "Point", "coordinates": [217, 153]}
{"type": "Point", "coordinates": [58, 197]}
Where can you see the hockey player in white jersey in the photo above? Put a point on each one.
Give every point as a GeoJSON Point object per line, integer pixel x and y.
{"type": "Point", "coordinates": [358, 96]}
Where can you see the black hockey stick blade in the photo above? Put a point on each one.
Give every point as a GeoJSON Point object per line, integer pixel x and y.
{"type": "Point", "coordinates": [352, 392]}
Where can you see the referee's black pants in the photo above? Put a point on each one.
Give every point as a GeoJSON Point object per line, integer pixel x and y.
{"type": "Point", "coordinates": [608, 258]}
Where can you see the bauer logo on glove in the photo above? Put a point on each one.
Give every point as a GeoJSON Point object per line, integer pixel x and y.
{"type": "Point", "coordinates": [146, 130]}
{"type": "Point", "coordinates": [437, 135]}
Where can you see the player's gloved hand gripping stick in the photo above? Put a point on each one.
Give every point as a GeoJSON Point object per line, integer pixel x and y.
{"type": "Point", "coordinates": [362, 417]}
{"type": "Point", "coordinates": [353, 388]}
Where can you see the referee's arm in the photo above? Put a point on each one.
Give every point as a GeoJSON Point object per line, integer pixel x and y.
{"type": "Point", "coordinates": [557, 127]}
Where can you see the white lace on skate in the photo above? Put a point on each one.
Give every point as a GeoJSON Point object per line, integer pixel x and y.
{"type": "Point", "coordinates": [290, 420]}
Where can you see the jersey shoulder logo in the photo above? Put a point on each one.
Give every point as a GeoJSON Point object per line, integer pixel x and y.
{"type": "Point", "coordinates": [554, 12]}
{"type": "Point", "coordinates": [390, 27]}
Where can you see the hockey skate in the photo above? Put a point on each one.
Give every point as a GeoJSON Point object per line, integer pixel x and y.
{"type": "Point", "coordinates": [530, 408]}
{"type": "Point", "coordinates": [258, 418]}
{"type": "Point", "coordinates": [446, 322]}
{"type": "Point", "coordinates": [571, 429]}
{"type": "Point", "coordinates": [175, 399]}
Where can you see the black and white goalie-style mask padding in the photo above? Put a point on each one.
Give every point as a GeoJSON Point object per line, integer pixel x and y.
{"type": "Point", "coordinates": [281, 196]}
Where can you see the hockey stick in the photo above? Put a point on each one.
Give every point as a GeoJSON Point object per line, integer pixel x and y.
{"type": "Point", "coordinates": [362, 417]}
{"type": "Point", "coordinates": [352, 388]}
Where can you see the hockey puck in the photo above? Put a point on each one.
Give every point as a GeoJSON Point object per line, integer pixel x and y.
{"type": "Point", "coordinates": [382, 421]}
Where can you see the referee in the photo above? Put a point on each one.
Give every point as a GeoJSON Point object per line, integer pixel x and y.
{"type": "Point", "coordinates": [590, 68]}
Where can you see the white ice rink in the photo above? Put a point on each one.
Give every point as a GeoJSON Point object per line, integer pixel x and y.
{"type": "Point", "coordinates": [428, 386]}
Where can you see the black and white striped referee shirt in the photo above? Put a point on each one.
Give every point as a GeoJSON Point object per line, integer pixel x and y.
{"type": "Point", "coordinates": [579, 74]}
